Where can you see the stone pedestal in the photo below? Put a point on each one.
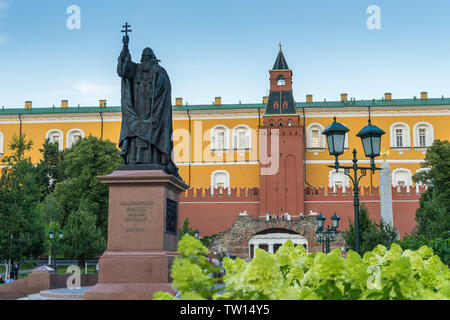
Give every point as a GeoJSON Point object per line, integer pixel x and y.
{"type": "Point", "coordinates": [142, 235]}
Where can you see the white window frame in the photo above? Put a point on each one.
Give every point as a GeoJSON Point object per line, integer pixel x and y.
{"type": "Point", "coordinates": [61, 137]}
{"type": "Point", "coordinates": [248, 136]}
{"type": "Point", "coordinates": [332, 178]}
{"type": "Point", "coordinates": [429, 134]}
{"type": "Point", "coordinates": [214, 180]}
{"type": "Point", "coordinates": [395, 177]}
{"type": "Point", "coordinates": [322, 142]}
{"type": "Point", "coordinates": [214, 138]}
{"type": "Point", "coordinates": [69, 135]}
{"type": "Point", "coordinates": [406, 139]}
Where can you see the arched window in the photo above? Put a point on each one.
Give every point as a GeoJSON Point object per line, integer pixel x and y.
{"type": "Point", "coordinates": [281, 81]}
{"type": "Point", "coordinates": [220, 179]}
{"type": "Point", "coordinates": [276, 105]}
{"type": "Point", "coordinates": [219, 138]}
{"type": "Point", "coordinates": [338, 180]}
{"type": "Point", "coordinates": [2, 141]}
{"type": "Point", "coordinates": [400, 137]}
{"type": "Point", "coordinates": [73, 136]}
{"type": "Point", "coordinates": [314, 137]}
{"type": "Point", "coordinates": [423, 135]}
{"type": "Point", "coordinates": [402, 177]}
{"type": "Point", "coordinates": [242, 137]}
{"type": "Point", "coordinates": [56, 136]}
{"type": "Point", "coordinates": [285, 104]}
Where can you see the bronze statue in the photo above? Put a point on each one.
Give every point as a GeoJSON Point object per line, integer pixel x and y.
{"type": "Point", "coordinates": [146, 132]}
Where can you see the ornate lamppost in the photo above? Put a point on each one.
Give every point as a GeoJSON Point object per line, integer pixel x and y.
{"type": "Point", "coordinates": [325, 236]}
{"type": "Point", "coordinates": [53, 242]}
{"type": "Point", "coordinates": [371, 140]}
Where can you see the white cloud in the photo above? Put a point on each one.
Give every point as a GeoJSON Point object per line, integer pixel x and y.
{"type": "Point", "coordinates": [4, 5]}
{"type": "Point", "coordinates": [3, 39]}
{"type": "Point", "coordinates": [92, 89]}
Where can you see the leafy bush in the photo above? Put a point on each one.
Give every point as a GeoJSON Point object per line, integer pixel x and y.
{"type": "Point", "coordinates": [292, 274]}
{"type": "Point", "coordinates": [371, 233]}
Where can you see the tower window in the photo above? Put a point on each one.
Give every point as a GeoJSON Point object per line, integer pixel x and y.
{"type": "Point", "coordinates": [285, 104]}
{"type": "Point", "coordinates": [280, 123]}
{"type": "Point", "coordinates": [275, 105]}
{"type": "Point", "coordinates": [281, 81]}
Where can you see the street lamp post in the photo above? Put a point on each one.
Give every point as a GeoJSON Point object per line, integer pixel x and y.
{"type": "Point", "coordinates": [325, 236]}
{"type": "Point", "coordinates": [371, 140]}
{"type": "Point", "coordinates": [53, 241]}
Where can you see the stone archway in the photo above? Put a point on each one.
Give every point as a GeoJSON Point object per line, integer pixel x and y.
{"type": "Point", "coordinates": [236, 240]}
{"type": "Point", "coordinates": [272, 239]}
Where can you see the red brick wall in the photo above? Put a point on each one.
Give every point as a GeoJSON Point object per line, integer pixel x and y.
{"type": "Point", "coordinates": [211, 214]}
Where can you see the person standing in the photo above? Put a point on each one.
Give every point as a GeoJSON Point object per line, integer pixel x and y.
{"type": "Point", "coordinates": [15, 271]}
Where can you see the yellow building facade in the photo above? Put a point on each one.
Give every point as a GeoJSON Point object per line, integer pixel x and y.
{"type": "Point", "coordinates": [218, 145]}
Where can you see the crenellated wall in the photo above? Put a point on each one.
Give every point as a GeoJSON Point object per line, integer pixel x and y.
{"type": "Point", "coordinates": [212, 212]}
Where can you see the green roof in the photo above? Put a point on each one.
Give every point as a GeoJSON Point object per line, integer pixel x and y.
{"type": "Point", "coordinates": [319, 104]}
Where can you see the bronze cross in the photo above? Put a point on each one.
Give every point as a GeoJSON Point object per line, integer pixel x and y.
{"type": "Point", "coordinates": [126, 26]}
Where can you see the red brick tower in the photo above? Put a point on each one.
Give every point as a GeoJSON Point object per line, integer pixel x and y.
{"type": "Point", "coordinates": [281, 173]}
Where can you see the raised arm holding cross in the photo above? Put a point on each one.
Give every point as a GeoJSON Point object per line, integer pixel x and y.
{"type": "Point", "coordinates": [126, 39]}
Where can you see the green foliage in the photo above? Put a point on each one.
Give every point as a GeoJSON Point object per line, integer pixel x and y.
{"type": "Point", "coordinates": [292, 274]}
{"type": "Point", "coordinates": [82, 239]}
{"type": "Point", "coordinates": [185, 229]}
{"type": "Point", "coordinates": [21, 226]}
{"type": "Point", "coordinates": [50, 169]}
{"type": "Point", "coordinates": [83, 162]}
{"type": "Point", "coordinates": [440, 245]}
{"type": "Point", "coordinates": [51, 211]}
{"type": "Point", "coordinates": [190, 271]}
{"type": "Point", "coordinates": [371, 233]}
{"type": "Point", "coordinates": [437, 159]}
{"type": "Point", "coordinates": [433, 215]}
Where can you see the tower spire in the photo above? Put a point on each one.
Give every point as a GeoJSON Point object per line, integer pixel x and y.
{"type": "Point", "coordinates": [280, 63]}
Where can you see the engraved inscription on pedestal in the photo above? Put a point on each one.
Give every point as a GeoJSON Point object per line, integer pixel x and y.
{"type": "Point", "coordinates": [135, 215]}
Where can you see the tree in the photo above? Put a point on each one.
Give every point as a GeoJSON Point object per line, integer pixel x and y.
{"type": "Point", "coordinates": [83, 240]}
{"type": "Point", "coordinates": [83, 162]}
{"type": "Point", "coordinates": [51, 210]}
{"type": "Point", "coordinates": [371, 234]}
{"type": "Point", "coordinates": [21, 226]}
{"type": "Point", "coordinates": [433, 214]}
{"type": "Point", "coordinates": [50, 170]}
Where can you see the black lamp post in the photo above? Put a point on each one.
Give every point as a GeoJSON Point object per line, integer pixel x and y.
{"type": "Point", "coordinates": [53, 241]}
{"type": "Point", "coordinates": [325, 236]}
{"type": "Point", "coordinates": [371, 140]}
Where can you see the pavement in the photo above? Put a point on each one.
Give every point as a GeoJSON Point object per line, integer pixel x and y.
{"type": "Point", "coordinates": [59, 294]}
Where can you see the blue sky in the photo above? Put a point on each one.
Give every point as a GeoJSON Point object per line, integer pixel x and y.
{"type": "Point", "coordinates": [224, 48]}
